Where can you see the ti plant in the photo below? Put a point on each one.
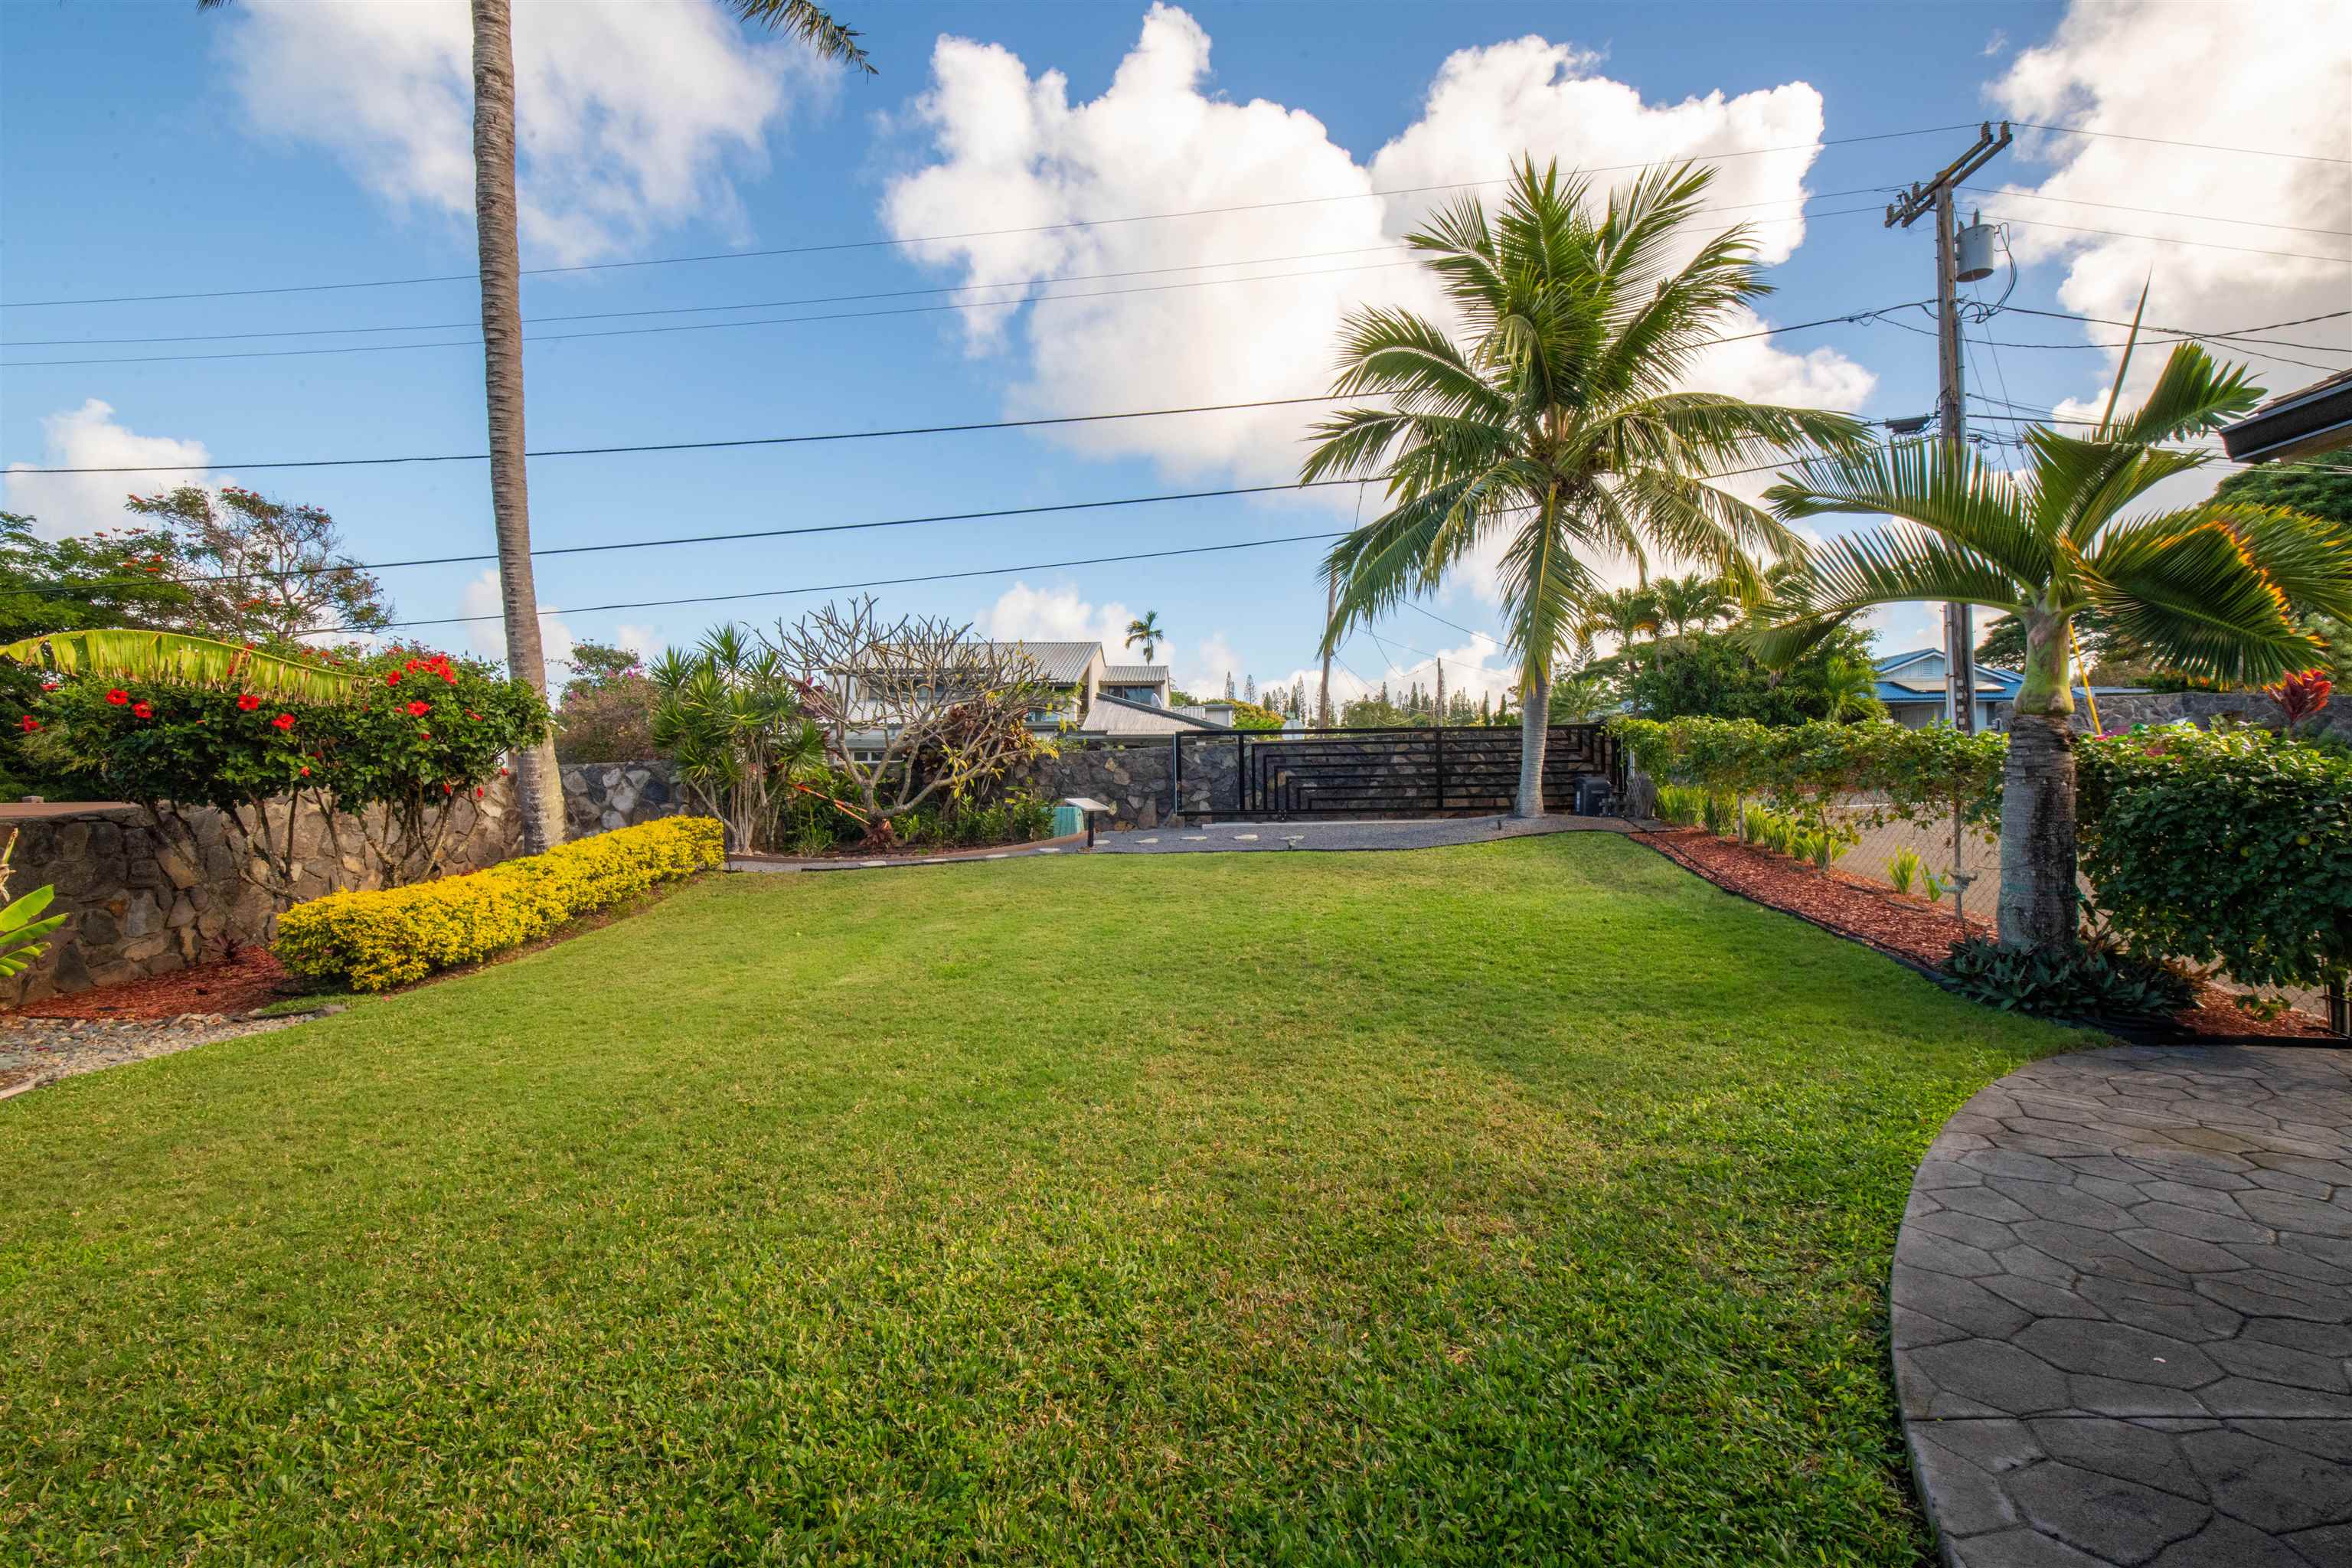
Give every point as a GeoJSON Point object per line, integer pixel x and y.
{"type": "Point", "coordinates": [21, 924]}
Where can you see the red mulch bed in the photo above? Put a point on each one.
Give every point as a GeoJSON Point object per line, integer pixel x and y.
{"type": "Point", "coordinates": [249, 980]}
{"type": "Point", "coordinates": [1906, 927]}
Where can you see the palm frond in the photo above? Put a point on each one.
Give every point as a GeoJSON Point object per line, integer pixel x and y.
{"type": "Point", "coordinates": [178, 656]}
{"type": "Point", "coordinates": [1543, 587]}
{"type": "Point", "coordinates": [2188, 588]}
{"type": "Point", "coordinates": [2193, 395]}
{"type": "Point", "coordinates": [1974, 506]}
{"type": "Point", "coordinates": [808, 23]}
{"type": "Point", "coordinates": [2078, 484]}
{"type": "Point", "coordinates": [1858, 572]}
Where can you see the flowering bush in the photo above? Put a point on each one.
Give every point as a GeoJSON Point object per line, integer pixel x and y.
{"type": "Point", "coordinates": [409, 731]}
{"type": "Point", "coordinates": [374, 941]}
{"type": "Point", "coordinates": [1803, 767]}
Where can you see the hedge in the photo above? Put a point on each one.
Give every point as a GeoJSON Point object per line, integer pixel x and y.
{"type": "Point", "coordinates": [2230, 847]}
{"type": "Point", "coordinates": [1801, 768]}
{"type": "Point", "coordinates": [377, 940]}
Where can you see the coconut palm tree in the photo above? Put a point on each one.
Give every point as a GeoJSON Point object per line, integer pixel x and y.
{"type": "Point", "coordinates": [2207, 586]}
{"type": "Point", "coordinates": [1626, 613]}
{"type": "Point", "coordinates": [1145, 629]}
{"type": "Point", "coordinates": [1550, 425]}
{"type": "Point", "coordinates": [539, 780]}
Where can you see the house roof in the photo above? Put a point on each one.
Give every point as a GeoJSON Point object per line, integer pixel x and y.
{"type": "Point", "coordinates": [2299, 424]}
{"type": "Point", "coordinates": [1058, 663]}
{"type": "Point", "coordinates": [1136, 674]}
{"type": "Point", "coordinates": [1117, 716]}
{"type": "Point", "coordinates": [1994, 685]}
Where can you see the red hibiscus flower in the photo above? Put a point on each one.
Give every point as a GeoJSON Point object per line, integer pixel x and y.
{"type": "Point", "coordinates": [392, 678]}
{"type": "Point", "coordinates": [477, 792]}
{"type": "Point", "coordinates": [283, 722]}
{"type": "Point", "coordinates": [248, 703]}
{"type": "Point", "coordinates": [117, 696]}
{"type": "Point", "coordinates": [142, 710]}
{"type": "Point", "coordinates": [419, 709]}
{"type": "Point", "coordinates": [49, 685]}
{"type": "Point", "coordinates": [306, 772]}
{"type": "Point", "coordinates": [28, 723]}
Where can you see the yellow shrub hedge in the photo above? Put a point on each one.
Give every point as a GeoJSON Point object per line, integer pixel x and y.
{"type": "Point", "coordinates": [374, 941]}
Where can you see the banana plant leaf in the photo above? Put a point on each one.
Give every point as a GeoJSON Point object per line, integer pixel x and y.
{"type": "Point", "coordinates": [179, 656]}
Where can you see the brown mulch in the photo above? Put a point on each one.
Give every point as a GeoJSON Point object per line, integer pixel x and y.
{"type": "Point", "coordinates": [1906, 927]}
{"type": "Point", "coordinates": [250, 979]}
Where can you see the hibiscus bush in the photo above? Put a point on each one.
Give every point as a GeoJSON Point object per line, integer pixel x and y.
{"type": "Point", "coordinates": [407, 731]}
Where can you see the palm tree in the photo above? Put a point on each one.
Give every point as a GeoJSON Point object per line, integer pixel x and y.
{"type": "Point", "coordinates": [1551, 423]}
{"type": "Point", "coordinates": [2208, 587]}
{"type": "Point", "coordinates": [1145, 629]}
{"type": "Point", "coordinates": [540, 782]}
{"type": "Point", "coordinates": [1694, 600]}
{"type": "Point", "coordinates": [1625, 613]}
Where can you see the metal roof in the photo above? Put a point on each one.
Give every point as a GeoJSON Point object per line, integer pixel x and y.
{"type": "Point", "coordinates": [1135, 674]}
{"type": "Point", "coordinates": [2299, 424]}
{"type": "Point", "coordinates": [1117, 716]}
{"type": "Point", "coordinates": [1058, 663]}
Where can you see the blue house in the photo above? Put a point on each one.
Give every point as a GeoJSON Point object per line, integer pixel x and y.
{"type": "Point", "coordinates": [1912, 686]}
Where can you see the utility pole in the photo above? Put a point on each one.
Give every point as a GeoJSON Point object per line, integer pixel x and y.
{"type": "Point", "coordinates": [1440, 692]}
{"type": "Point", "coordinates": [1951, 392]}
{"type": "Point", "coordinates": [1330, 609]}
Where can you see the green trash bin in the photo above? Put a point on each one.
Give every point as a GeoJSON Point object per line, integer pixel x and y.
{"type": "Point", "coordinates": [1068, 819]}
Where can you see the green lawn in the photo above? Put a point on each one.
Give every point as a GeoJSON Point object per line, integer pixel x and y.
{"type": "Point", "coordinates": [1525, 1202]}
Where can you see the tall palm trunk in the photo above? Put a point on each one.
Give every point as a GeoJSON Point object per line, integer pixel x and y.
{"type": "Point", "coordinates": [539, 782]}
{"type": "Point", "coordinates": [1534, 728]}
{"type": "Point", "coordinates": [2038, 897]}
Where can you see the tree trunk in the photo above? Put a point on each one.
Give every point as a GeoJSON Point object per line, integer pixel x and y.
{"type": "Point", "coordinates": [1535, 728]}
{"type": "Point", "coordinates": [2038, 898]}
{"type": "Point", "coordinates": [539, 783]}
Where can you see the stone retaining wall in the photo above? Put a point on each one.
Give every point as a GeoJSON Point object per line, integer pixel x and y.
{"type": "Point", "coordinates": [141, 907]}
{"type": "Point", "coordinates": [2202, 708]}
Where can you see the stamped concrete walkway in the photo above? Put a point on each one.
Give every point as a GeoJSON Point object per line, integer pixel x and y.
{"type": "Point", "coordinates": [1424, 833]}
{"type": "Point", "coordinates": [2123, 1313]}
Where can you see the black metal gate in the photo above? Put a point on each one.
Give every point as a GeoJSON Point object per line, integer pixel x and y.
{"type": "Point", "coordinates": [1388, 771]}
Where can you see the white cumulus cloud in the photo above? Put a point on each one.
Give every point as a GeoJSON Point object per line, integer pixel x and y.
{"type": "Point", "coordinates": [631, 115]}
{"type": "Point", "coordinates": [489, 637]}
{"type": "Point", "coordinates": [1008, 148]}
{"type": "Point", "coordinates": [2267, 76]}
{"type": "Point", "coordinates": [89, 438]}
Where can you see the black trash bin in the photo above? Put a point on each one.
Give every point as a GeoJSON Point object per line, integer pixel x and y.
{"type": "Point", "coordinates": [1592, 795]}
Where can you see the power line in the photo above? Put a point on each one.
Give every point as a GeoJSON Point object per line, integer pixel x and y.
{"type": "Point", "coordinates": [2164, 141]}
{"type": "Point", "coordinates": [2240, 334]}
{"type": "Point", "coordinates": [969, 234]}
{"type": "Point", "coordinates": [847, 298]}
{"type": "Point", "coordinates": [832, 436]}
{"type": "Point", "coordinates": [2153, 212]}
{"type": "Point", "coordinates": [880, 582]}
{"type": "Point", "coordinates": [2168, 240]}
{"type": "Point", "coordinates": [760, 321]}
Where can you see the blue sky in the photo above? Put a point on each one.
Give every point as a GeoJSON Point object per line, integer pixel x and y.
{"type": "Point", "coordinates": [276, 144]}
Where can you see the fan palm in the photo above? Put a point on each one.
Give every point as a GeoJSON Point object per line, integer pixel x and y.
{"type": "Point", "coordinates": [499, 257]}
{"type": "Point", "coordinates": [2208, 587]}
{"type": "Point", "coordinates": [1550, 425]}
{"type": "Point", "coordinates": [1145, 629]}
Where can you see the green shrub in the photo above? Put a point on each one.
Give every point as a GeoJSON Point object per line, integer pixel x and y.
{"type": "Point", "coordinates": [376, 940]}
{"type": "Point", "coordinates": [2233, 846]}
{"type": "Point", "coordinates": [1681, 805]}
{"type": "Point", "coordinates": [1904, 870]}
{"type": "Point", "coordinates": [1719, 813]}
{"type": "Point", "coordinates": [2093, 981]}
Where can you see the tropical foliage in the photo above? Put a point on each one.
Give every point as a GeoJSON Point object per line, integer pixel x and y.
{"type": "Point", "coordinates": [257, 570]}
{"type": "Point", "coordinates": [2209, 588]}
{"type": "Point", "coordinates": [605, 714]}
{"type": "Point", "coordinates": [1912, 775]}
{"type": "Point", "coordinates": [1147, 631]}
{"type": "Point", "coordinates": [729, 714]}
{"type": "Point", "coordinates": [1717, 674]}
{"type": "Point", "coordinates": [2093, 981]}
{"type": "Point", "coordinates": [1552, 428]}
{"type": "Point", "coordinates": [377, 748]}
{"type": "Point", "coordinates": [2230, 847]}
{"type": "Point", "coordinates": [375, 940]}
{"type": "Point", "coordinates": [22, 923]}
